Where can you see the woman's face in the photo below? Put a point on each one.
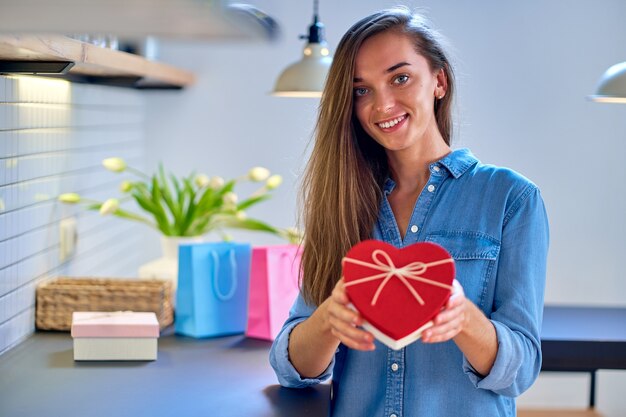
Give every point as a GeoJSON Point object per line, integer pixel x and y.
{"type": "Point", "coordinates": [394, 92]}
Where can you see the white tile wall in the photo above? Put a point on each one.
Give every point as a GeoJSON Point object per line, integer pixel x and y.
{"type": "Point", "coordinates": [53, 137]}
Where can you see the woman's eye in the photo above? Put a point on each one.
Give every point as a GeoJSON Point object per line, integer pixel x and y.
{"type": "Point", "coordinates": [401, 79]}
{"type": "Point", "coordinates": [360, 91]}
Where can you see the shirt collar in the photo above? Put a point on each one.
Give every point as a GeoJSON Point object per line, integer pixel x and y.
{"type": "Point", "coordinates": [456, 162]}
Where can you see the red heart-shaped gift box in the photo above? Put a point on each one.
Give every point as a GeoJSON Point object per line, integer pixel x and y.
{"type": "Point", "coordinates": [397, 291]}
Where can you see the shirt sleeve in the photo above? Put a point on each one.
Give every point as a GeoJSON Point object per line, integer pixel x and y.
{"type": "Point", "coordinates": [518, 301]}
{"type": "Point", "coordinates": [287, 375]}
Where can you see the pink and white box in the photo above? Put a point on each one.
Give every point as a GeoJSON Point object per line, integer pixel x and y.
{"type": "Point", "coordinates": [114, 336]}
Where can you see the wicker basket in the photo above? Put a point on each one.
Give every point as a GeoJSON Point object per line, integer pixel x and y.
{"type": "Point", "coordinates": [59, 298]}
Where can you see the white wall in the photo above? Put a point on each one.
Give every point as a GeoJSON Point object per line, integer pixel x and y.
{"type": "Point", "coordinates": [53, 136]}
{"type": "Point", "coordinates": [524, 69]}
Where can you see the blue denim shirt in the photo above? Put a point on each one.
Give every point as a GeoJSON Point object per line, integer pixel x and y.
{"type": "Point", "coordinates": [493, 222]}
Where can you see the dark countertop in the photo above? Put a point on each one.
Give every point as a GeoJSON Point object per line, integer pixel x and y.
{"type": "Point", "coordinates": [227, 376]}
{"type": "Point", "coordinates": [231, 376]}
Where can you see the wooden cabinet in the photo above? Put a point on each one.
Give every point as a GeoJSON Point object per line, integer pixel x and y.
{"type": "Point", "coordinates": [90, 62]}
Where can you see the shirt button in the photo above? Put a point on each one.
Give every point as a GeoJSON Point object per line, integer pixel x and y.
{"type": "Point", "coordinates": [414, 229]}
{"type": "Point", "coordinates": [431, 188]}
{"type": "Point", "coordinates": [394, 367]}
{"type": "Point", "coordinates": [436, 168]}
{"type": "Point", "coordinates": [393, 415]}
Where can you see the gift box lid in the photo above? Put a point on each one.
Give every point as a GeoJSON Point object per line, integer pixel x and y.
{"type": "Point", "coordinates": [114, 324]}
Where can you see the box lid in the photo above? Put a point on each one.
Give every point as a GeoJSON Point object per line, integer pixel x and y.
{"type": "Point", "coordinates": [114, 324]}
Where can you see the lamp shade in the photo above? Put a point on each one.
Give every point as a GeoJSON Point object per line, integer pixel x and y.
{"type": "Point", "coordinates": [612, 86]}
{"type": "Point", "coordinates": [306, 77]}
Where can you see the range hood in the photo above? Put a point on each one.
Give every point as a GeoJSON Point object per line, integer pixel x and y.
{"type": "Point", "coordinates": [184, 19]}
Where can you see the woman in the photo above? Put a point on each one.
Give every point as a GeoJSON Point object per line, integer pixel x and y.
{"type": "Point", "coordinates": [382, 168]}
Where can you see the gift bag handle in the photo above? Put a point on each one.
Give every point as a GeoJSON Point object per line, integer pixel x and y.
{"type": "Point", "coordinates": [233, 276]}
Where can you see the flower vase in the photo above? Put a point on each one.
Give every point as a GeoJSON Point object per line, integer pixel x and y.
{"type": "Point", "coordinates": [166, 267]}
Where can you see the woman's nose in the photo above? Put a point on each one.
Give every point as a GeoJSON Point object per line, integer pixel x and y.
{"type": "Point", "coordinates": [384, 102]}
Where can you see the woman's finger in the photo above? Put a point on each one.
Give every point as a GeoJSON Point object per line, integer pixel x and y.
{"type": "Point", "coordinates": [450, 313]}
{"type": "Point", "coordinates": [343, 326]}
{"type": "Point", "coordinates": [339, 293]}
{"type": "Point", "coordinates": [444, 337]}
{"type": "Point", "coordinates": [353, 343]}
{"type": "Point", "coordinates": [350, 335]}
{"type": "Point", "coordinates": [455, 323]}
{"type": "Point", "coordinates": [341, 312]}
{"type": "Point", "coordinates": [343, 321]}
{"type": "Point", "coordinates": [449, 322]}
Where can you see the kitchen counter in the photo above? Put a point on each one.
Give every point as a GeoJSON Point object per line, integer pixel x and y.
{"type": "Point", "coordinates": [231, 376]}
{"type": "Point", "coordinates": [224, 377]}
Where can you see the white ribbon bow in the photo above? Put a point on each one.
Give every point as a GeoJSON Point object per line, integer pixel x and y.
{"type": "Point", "coordinates": [411, 271]}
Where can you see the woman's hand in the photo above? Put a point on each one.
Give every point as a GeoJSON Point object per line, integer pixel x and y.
{"type": "Point", "coordinates": [451, 320]}
{"type": "Point", "coordinates": [344, 321]}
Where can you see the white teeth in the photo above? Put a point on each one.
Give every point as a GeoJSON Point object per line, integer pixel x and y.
{"type": "Point", "coordinates": [391, 123]}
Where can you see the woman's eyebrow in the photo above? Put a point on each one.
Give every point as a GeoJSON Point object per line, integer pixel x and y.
{"type": "Point", "coordinates": [387, 71]}
{"type": "Point", "coordinates": [395, 67]}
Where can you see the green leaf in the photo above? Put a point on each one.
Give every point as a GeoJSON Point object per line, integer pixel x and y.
{"type": "Point", "coordinates": [208, 201]}
{"type": "Point", "coordinates": [175, 210]}
{"type": "Point", "coordinates": [180, 196]}
{"type": "Point", "coordinates": [144, 192]}
{"type": "Point", "coordinates": [216, 202]}
{"type": "Point", "coordinates": [208, 212]}
{"type": "Point", "coordinates": [191, 205]}
{"type": "Point", "coordinates": [124, 214]}
{"type": "Point", "coordinates": [249, 224]}
{"type": "Point", "coordinates": [252, 201]}
{"type": "Point", "coordinates": [144, 201]}
{"type": "Point", "coordinates": [132, 216]}
{"type": "Point", "coordinates": [229, 186]}
{"type": "Point", "coordinates": [199, 210]}
{"type": "Point", "coordinates": [159, 212]}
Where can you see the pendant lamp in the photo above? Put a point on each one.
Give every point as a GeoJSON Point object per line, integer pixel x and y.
{"type": "Point", "coordinates": [306, 77]}
{"type": "Point", "coordinates": [612, 86]}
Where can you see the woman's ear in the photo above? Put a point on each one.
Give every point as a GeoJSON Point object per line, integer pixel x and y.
{"type": "Point", "coordinates": [442, 83]}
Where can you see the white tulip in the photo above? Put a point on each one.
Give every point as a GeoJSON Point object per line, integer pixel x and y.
{"type": "Point", "coordinates": [109, 207]}
{"type": "Point", "coordinates": [202, 180]}
{"type": "Point", "coordinates": [216, 182]}
{"type": "Point", "coordinates": [114, 164]}
{"type": "Point", "coordinates": [230, 198]}
{"type": "Point", "coordinates": [274, 181]}
{"type": "Point", "coordinates": [258, 174]}
{"type": "Point", "coordinates": [69, 198]}
{"type": "Point", "coordinates": [126, 186]}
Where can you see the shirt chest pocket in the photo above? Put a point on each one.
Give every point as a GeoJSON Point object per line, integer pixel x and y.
{"type": "Point", "coordinates": [475, 256]}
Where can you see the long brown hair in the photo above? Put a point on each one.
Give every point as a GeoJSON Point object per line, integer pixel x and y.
{"type": "Point", "coordinates": [342, 184]}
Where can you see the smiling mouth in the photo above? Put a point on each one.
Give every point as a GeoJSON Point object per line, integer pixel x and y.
{"type": "Point", "coordinates": [391, 123]}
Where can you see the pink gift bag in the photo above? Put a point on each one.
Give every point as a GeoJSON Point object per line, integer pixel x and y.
{"type": "Point", "coordinates": [273, 288]}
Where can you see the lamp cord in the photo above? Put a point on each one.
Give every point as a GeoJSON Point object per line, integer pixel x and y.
{"type": "Point", "coordinates": [316, 6]}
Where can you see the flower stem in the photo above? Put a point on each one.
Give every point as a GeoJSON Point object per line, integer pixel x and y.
{"type": "Point", "coordinates": [138, 173]}
{"type": "Point", "coordinates": [259, 192]}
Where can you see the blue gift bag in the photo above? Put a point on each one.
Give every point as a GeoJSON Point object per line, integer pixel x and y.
{"type": "Point", "coordinates": [212, 294]}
